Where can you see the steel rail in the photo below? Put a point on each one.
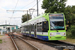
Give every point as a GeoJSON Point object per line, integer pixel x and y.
{"type": "Point", "coordinates": [58, 44]}
{"type": "Point", "coordinates": [55, 44]}
{"type": "Point", "coordinates": [14, 43]}
{"type": "Point", "coordinates": [28, 43]}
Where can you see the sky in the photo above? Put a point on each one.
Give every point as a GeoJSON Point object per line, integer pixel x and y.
{"type": "Point", "coordinates": [8, 17]}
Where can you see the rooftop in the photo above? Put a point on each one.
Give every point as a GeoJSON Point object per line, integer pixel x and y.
{"type": "Point", "coordinates": [8, 25]}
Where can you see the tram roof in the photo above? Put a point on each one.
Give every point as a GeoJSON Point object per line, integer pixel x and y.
{"type": "Point", "coordinates": [31, 21]}
{"type": "Point", "coordinates": [37, 19]}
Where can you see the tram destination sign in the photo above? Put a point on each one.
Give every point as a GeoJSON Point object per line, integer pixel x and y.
{"type": "Point", "coordinates": [56, 15]}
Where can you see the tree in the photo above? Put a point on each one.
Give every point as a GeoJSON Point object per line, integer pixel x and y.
{"type": "Point", "coordinates": [70, 14]}
{"type": "Point", "coordinates": [54, 5]}
{"type": "Point", "coordinates": [26, 17]}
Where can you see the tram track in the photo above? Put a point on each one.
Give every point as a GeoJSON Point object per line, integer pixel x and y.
{"type": "Point", "coordinates": [35, 48]}
{"type": "Point", "coordinates": [55, 44]}
{"type": "Point", "coordinates": [61, 45]}
{"type": "Point", "coordinates": [15, 46]}
{"type": "Point", "coordinates": [22, 44]}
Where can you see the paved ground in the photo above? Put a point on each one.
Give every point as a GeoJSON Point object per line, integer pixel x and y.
{"type": "Point", "coordinates": [6, 43]}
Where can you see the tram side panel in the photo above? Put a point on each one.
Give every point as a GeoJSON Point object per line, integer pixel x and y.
{"type": "Point", "coordinates": [32, 31]}
{"type": "Point", "coordinates": [39, 30]}
{"type": "Point", "coordinates": [42, 30]}
{"type": "Point", "coordinates": [45, 28]}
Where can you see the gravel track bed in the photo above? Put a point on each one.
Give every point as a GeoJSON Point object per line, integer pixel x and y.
{"type": "Point", "coordinates": [43, 45]}
{"type": "Point", "coordinates": [39, 44]}
{"type": "Point", "coordinates": [54, 44]}
{"type": "Point", "coordinates": [22, 45]}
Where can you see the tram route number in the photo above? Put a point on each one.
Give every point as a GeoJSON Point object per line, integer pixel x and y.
{"type": "Point", "coordinates": [58, 33]}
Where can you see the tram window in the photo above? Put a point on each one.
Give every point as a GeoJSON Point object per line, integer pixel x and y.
{"type": "Point", "coordinates": [26, 28]}
{"type": "Point", "coordinates": [39, 27]}
{"type": "Point", "coordinates": [45, 26]}
{"type": "Point", "coordinates": [32, 27]}
{"type": "Point", "coordinates": [22, 29]}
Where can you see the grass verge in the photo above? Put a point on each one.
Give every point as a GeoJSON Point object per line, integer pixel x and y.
{"type": "Point", "coordinates": [70, 40]}
{"type": "Point", "coordinates": [0, 41]}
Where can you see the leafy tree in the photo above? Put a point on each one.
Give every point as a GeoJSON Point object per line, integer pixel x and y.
{"type": "Point", "coordinates": [70, 14]}
{"type": "Point", "coordinates": [54, 5]}
{"type": "Point", "coordinates": [25, 17]}
{"type": "Point", "coordinates": [58, 6]}
{"type": "Point", "coordinates": [73, 31]}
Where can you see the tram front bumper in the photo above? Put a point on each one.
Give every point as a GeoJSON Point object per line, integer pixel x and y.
{"type": "Point", "coordinates": [57, 37]}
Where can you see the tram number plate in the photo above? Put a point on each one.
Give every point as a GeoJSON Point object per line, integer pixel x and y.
{"type": "Point", "coordinates": [58, 33]}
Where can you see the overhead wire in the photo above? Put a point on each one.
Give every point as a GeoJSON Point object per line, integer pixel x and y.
{"type": "Point", "coordinates": [25, 5]}
{"type": "Point", "coordinates": [15, 8]}
{"type": "Point", "coordinates": [16, 4]}
{"type": "Point", "coordinates": [28, 4]}
{"type": "Point", "coordinates": [36, 3]}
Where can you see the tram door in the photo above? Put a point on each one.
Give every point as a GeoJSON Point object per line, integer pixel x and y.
{"type": "Point", "coordinates": [35, 31]}
{"type": "Point", "coordinates": [30, 30]}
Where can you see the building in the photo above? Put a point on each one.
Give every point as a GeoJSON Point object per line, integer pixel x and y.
{"type": "Point", "coordinates": [8, 28]}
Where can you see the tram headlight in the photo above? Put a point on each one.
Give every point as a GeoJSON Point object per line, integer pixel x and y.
{"type": "Point", "coordinates": [64, 34]}
{"type": "Point", "coordinates": [50, 33]}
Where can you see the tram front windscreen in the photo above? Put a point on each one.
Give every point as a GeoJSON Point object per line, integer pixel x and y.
{"type": "Point", "coordinates": [56, 21]}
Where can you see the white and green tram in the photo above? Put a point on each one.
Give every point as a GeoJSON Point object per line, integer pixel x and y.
{"type": "Point", "coordinates": [48, 26]}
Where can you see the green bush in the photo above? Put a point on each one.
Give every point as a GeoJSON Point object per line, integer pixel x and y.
{"type": "Point", "coordinates": [72, 31]}
{"type": "Point", "coordinates": [68, 34]}
{"type": "Point", "coordinates": [0, 41]}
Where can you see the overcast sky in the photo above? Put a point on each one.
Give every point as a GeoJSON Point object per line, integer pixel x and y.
{"type": "Point", "coordinates": [20, 5]}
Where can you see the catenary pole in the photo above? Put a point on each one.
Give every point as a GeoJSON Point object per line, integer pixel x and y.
{"type": "Point", "coordinates": [37, 8]}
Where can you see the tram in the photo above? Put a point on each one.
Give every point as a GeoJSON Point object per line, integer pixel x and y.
{"type": "Point", "coordinates": [48, 26]}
